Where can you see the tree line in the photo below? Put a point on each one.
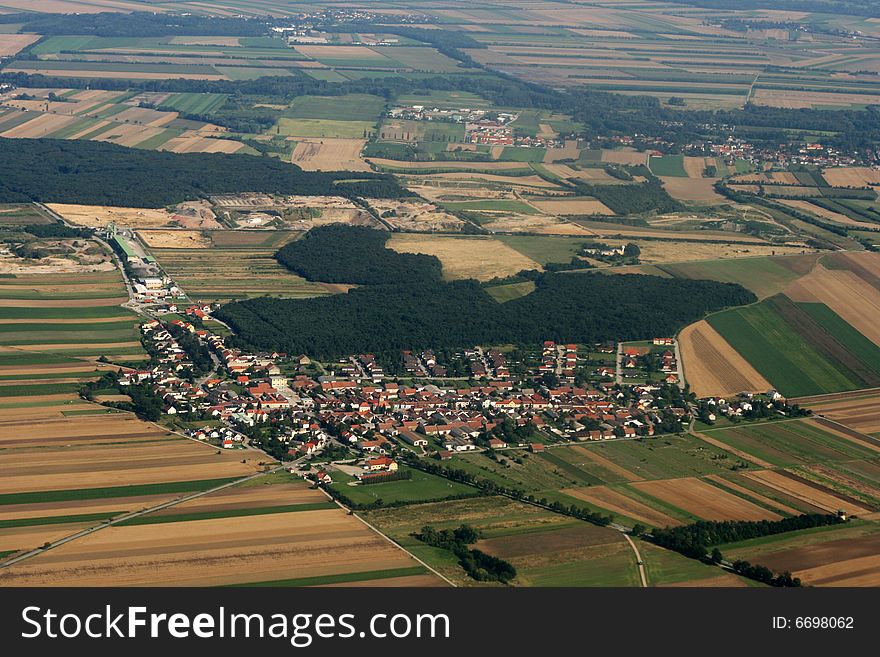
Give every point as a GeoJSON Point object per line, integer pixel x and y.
{"type": "Point", "coordinates": [137, 24]}
{"type": "Point", "coordinates": [694, 540]}
{"type": "Point", "coordinates": [410, 308]}
{"type": "Point", "coordinates": [97, 173]}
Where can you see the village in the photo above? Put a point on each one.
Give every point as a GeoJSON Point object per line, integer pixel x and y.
{"type": "Point", "coordinates": [368, 420]}
{"type": "Point", "coordinates": [480, 126]}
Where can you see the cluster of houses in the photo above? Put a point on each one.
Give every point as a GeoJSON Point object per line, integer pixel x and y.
{"type": "Point", "coordinates": [744, 404]}
{"type": "Point", "coordinates": [489, 364]}
{"type": "Point", "coordinates": [461, 115]}
{"type": "Point", "coordinates": [560, 360]}
{"type": "Point", "coordinates": [423, 364]}
{"type": "Point", "coordinates": [376, 418]}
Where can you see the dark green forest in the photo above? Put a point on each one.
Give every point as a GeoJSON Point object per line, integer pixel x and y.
{"type": "Point", "coordinates": [138, 24]}
{"type": "Point", "coordinates": [355, 254]}
{"type": "Point", "coordinates": [96, 173]}
{"type": "Point", "coordinates": [411, 309]}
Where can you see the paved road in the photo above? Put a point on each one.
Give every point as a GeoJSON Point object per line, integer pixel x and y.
{"type": "Point", "coordinates": [618, 370]}
{"type": "Point", "coordinates": [680, 365]}
{"type": "Point", "coordinates": [638, 560]}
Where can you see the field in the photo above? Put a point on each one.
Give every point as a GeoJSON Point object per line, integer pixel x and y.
{"type": "Point", "coordinates": [60, 471]}
{"type": "Point", "coordinates": [100, 216]}
{"type": "Point", "coordinates": [859, 410]}
{"type": "Point", "coordinates": [269, 535]}
{"type": "Point", "coordinates": [84, 319]}
{"type": "Point", "coordinates": [234, 269]}
{"type": "Point", "coordinates": [115, 117]}
{"type": "Point", "coordinates": [828, 556]}
{"type": "Point", "coordinates": [421, 487]}
{"type": "Point", "coordinates": [546, 549]}
{"type": "Point", "coordinates": [466, 257]}
{"type": "Point", "coordinates": [763, 276]}
{"type": "Point", "coordinates": [713, 367]}
{"type": "Point", "coordinates": [798, 354]}
{"type": "Point", "coordinates": [329, 155]}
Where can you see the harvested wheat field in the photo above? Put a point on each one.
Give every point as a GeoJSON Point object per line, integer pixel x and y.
{"type": "Point", "coordinates": [852, 176]}
{"type": "Point", "coordinates": [625, 157]}
{"type": "Point", "coordinates": [607, 498]}
{"type": "Point", "coordinates": [79, 430]}
{"type": "Point", "coordinates": [198, 144]}
{"type": "Point", "coordinates": [330, 155]}
{"type": "Point", "coordinates": [848, 295]}
{"type": "Point", "coordinates": [175, 239]}
{"type": "Point", "coordinates": [42, 125]}
{"type": "Point", "coordinates": [766, 501]}
{"type": "Point", "coordinates": [526, 223]}
{"type": "Point", "coordinates": [805, 491]}
{"type": "Point", "coordinates": [578, 206]}
{"type": "Point", "coordinates": [299, 544]}
{"type": "Point", "coordinates": [712, 367]}
{"type": "Point", "coordinates": [99, 216]}
{"type": "Point", "coordinates": [100, 466]}
{"type": "Point", "coordinates": [10, 44]}
{"type": "Point", "coordinates": [466, 257]}
{"type": "Point", "coordinates": [696, 190]}
{"type": "Point", "coordinates": [568, 152]}
{"type": "Point", "coordinates": [704, 500]}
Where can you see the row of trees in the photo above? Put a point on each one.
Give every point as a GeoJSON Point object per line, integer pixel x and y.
{"type": "Point", "coordinates": [694, 540]}
{"type": "Point", "coordinates": [476, 563]}
{"type": "Point", "coordinates": [137, 24]}
{"type": "Point", "coordinates": [488, 487]}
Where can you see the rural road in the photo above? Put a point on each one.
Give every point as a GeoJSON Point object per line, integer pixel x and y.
{"type": "Point", "coordinates": [639, 561]}
{"type": "Point", "coordinates": [618, 370]}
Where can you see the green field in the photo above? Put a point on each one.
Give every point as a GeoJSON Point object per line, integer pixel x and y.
{"type": "Point", "coordinates": [343, 578]}
{"type": "Point", "coordinates": [668, 165]}
{"type": "Point", "coordinates": [786, 444]}
{"type": "Point", "coordinates": [782, 356]}
{"type": "Point", "coordinates": [764, 276]}
{"type": "Point", "coordinates": [195, 103]}
{"type": "Point", "coordinates": [420, 488]}
{"type": "Point", "coordinates": [322, 128]}
{"type": "Point", "coordinates": [351, 107]}
{"type": "Point", "coordinates": [504, 293]}
{"type": "Point", "coordinates": [113, 491]}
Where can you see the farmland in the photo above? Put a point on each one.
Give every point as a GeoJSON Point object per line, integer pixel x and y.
{"type": "Point", "coordinates": [466, 257]}
{"type": "Point", "coordinates": [122, 118]}
{"type": "Point", "coordinates": [260, 530]}
{"type": "Point", "coordinates": [233, 269]}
